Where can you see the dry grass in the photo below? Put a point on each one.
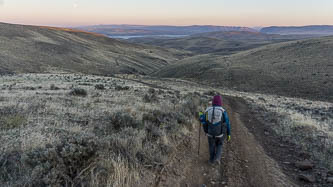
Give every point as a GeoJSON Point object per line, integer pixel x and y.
{"type": "Point", "coordinates": [107, 138]}
{"type": "Point", "coordinates": [112, 138]}
{"type": "Point", "coordinates": [305, 123]}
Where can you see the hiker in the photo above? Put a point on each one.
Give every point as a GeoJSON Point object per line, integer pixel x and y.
{"type": "Point", "coordinates": [216, 124]}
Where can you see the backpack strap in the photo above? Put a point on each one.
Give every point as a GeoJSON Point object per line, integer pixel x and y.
{"type": "Point", "coordinates": [213, 115]}
{"type": "Point", "coordinates": [222, 122]}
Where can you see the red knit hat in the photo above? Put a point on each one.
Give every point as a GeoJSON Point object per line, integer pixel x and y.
{"type": "Point", "coordinates": [217, 101]}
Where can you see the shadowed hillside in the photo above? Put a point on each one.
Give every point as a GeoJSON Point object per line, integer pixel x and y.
{"type": "Point", "coordinates": [323, 30]}
{"type": "Point", "coordinates": [252, 36]}
{"type": "Point", "coordinates": [120, 30]}
{"type": "Point", "coordinates": [45, 49]}
{"type": "Point", "coordinates": [298, 68]}
{"type": "Point", "coordinates": [218, 42]}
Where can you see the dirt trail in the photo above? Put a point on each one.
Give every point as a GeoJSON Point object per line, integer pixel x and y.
{"type": "Point", "coordinates": [244, 161]}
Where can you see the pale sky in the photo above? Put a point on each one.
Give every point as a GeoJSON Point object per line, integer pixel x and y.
{"type": "Point", "coordinates": [167, 12]}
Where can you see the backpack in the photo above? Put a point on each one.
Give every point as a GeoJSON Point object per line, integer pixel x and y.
{"type": "Point", "coordinates": [214, 126]}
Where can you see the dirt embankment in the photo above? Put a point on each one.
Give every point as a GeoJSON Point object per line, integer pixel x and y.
{"type": "Point", "coordinates": [244, 162]}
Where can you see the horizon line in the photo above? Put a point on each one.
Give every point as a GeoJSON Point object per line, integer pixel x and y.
{"type": "Point", "coordinates": [189, 25]}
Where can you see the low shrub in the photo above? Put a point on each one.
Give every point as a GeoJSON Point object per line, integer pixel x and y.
{"type": "Point", "coordinates": [10, 169]}
{"type": "Point", "coordinates": [120, 88]}
{"type": "Point", "coordinates": [99, 87]}
{"type": "Point", "coordinates": [167, 119]}
{"type": "Point", "coordinates": [151, 90]}
{"type": "Point", "coordinates": [192, 104]}
{"type": "Point", "coordinates": [60, 164]}
{"type": "Point", "coordinates": [150, 98]}
{"type": "Point", "coordinates": [53, 87]}
{"type": "Point", "coordinates": [115, 122]}
{"type": "Point", "coordinates": [121, 120]}
{"type": "Point", "coordinates": [78, 92]}
{"type": "Point", "coordinates": [64, 163]}
{"type": "Point", "coordinates": [29, 88]}
{"type": "Point", "coordinates": [153, 132]}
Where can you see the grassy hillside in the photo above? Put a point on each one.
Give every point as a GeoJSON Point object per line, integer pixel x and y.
{"type": "Point", "coordinates": [298, 68]}
{"type": "Point", "coordinates": [223, 43]}
{"type": "Point", "coordinates": [83, 130]}
{"type": "Point", "coordinates": [44, 49]}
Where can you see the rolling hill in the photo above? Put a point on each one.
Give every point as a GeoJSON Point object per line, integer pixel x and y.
{"type": "Point", "coordinates": [223, 43]}
{"type": "Point", "coordinates": [322, 30]}
{"type": "Point", "coordinates": [251, 36]}
{"type": "Point", "coordinates": [121, 30]}
{"type": "Point", "coordinates": [46, 49]}
{"type": "Point", "coordinates": [298, 68]}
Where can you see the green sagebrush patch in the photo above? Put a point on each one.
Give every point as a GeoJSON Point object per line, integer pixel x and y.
{"type": "Point", "coordinates": [13, 121]}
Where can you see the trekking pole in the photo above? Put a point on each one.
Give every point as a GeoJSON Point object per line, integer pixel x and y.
{"type": "Point", "coordinates": [200, 113]}
{"type": "Point", "coordinates": [199, 140]}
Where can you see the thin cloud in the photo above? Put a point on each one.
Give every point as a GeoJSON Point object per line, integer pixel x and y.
{"type": "Point", "coordinates": [2, 2]}
{"type": "Point", "coordinates": [75, 4]}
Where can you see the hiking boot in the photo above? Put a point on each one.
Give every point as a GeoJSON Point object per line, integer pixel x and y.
{"type": "Point", "coordinates": [218, 162]}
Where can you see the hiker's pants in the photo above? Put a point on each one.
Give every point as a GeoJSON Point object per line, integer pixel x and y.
{"type": "Point", "coordinates": [215, 148]}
